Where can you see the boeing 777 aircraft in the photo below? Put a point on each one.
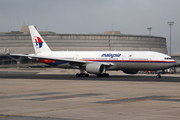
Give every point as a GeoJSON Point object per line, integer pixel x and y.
{"type": "Point", "coordinates": [97, 62]}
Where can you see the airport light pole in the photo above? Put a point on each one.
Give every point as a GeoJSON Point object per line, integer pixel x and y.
{"type": "Point", "coordinates": [149, 28]}
{"type": "Point", "coordinates": [170, 23]}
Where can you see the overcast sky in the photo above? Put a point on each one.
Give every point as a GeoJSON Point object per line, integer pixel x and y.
{"type": "Point", "coordinates": [94, 16]}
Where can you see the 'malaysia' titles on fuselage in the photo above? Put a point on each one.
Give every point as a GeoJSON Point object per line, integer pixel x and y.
{"type": "Point", "coordinates": [110, 55]}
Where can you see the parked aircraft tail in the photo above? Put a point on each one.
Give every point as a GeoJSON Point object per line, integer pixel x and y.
{"type": "Point", "coordinates": [38, 42]}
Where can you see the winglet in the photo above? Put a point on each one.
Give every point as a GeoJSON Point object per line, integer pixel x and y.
{"type": "Point", "coordinates": [38, 42]}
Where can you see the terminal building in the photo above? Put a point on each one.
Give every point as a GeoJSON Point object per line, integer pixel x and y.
{"type": "Point", "coordinates": [20, 42]}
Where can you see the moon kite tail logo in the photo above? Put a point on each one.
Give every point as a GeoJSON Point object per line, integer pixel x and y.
{"type": "Point", "coordinates": [39, 42]}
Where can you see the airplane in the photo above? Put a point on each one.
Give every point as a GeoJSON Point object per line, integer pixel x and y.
{"type": "Point", "coordinates": [97, 62]}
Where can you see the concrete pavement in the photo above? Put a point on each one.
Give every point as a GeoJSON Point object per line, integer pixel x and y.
{"type": "Point", "coordinates": [51, 96]}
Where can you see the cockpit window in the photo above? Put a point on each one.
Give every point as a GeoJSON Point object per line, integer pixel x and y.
{"type": "Point", "coordinates": [168, 58]}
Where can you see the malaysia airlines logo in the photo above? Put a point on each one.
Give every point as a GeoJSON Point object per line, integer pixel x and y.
{"type": "Point", "coordinates": [38, 41]}
{"type": "Point", "coordinates": [111, 55]}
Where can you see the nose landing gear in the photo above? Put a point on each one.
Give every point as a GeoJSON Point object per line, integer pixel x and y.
{"type": "Point", "coordinates": [158, 76]}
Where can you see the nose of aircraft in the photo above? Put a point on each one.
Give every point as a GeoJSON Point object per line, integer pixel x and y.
{"type": "Point", "coordinates": [171, 63]}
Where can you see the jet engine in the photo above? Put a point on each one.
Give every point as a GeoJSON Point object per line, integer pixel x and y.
{"type": "Point", "coordinates": [130, 71]}
{"type": "Point", "coordinates": [95, 68]}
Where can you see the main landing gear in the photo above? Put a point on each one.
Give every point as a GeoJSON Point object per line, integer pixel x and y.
{"type": "Point", "coordinates": [82, 75]}
{"type": "Point", "coordinates": [87, 75]}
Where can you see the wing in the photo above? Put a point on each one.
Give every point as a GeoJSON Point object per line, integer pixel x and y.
{"type": "Point", "coordinates": [77, 62]}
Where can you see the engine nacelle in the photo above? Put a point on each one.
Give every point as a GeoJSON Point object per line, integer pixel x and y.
{"type": "Point", "coordinates": [95, 68]}
{"type": "Point", "coordinates": [130, 71]}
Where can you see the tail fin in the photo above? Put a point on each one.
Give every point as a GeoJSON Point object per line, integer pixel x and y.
{"type": "Point", "coordinates": [38, 42]}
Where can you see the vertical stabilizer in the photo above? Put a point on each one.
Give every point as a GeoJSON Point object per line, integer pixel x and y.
{"type": "Point", "coordinates": [38, 42]}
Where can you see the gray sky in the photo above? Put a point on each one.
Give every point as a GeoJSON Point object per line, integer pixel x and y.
{"type": "Point", "coordinates": [94, 16]}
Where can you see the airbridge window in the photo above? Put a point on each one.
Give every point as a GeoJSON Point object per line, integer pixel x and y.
{"type": "Point", "coordinates": [168, 58]}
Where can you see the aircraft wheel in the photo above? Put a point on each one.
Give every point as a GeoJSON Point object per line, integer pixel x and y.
{"type": "Point", "coordinates": [158, 76]}
{"type": "Point", "coordinates": [86, 75]}
{"type": "Point", "coordinates": [106, 75]}
{"type": "Point", "coordinates": [82, 75]}
{"type": "Point", "coordinates": [77, 75]}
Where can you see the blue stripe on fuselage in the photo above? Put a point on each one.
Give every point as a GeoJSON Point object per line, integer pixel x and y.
{"type": "Point", "coordinates": [55, 64]}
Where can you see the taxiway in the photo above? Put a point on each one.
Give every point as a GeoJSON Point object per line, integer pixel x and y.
{"type": "Point", "coordinates": [25, 94]}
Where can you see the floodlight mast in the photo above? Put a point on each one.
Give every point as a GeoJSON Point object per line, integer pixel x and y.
{"type": "Point", "coordinates": [149, 28]}
{"type": "Point", "coordinates": [170, 23]}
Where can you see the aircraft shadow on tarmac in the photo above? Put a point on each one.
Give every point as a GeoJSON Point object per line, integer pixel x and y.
{"type": "Point", "coordinates": [137, 78]}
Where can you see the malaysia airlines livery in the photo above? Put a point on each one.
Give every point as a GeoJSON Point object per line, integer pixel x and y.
{"type": "Point", "coordinates": [97, 62]}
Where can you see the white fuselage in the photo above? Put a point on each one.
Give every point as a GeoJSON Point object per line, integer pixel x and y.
{"type": "Point", "coordinates": [120, 60]}
{"type": "Point", "coordinates": [97, 62]}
